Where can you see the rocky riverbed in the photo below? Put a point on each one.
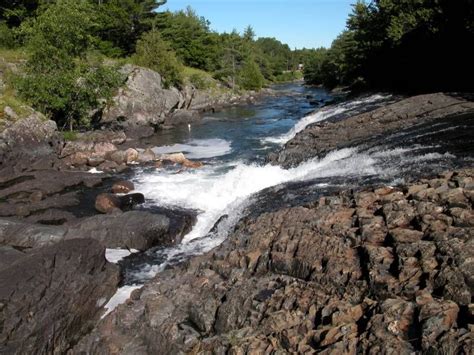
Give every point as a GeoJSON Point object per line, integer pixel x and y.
{"type": "Point", "coordinates": [378, 270]}
{"type": "Point", "coordinates": [366, 266]}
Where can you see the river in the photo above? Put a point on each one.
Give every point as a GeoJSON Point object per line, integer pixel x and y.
{"type": "Point", "coordinates": [236, 181]}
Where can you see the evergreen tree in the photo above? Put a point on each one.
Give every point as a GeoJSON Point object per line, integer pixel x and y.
{"type": "Point", "coordinates": [250, 76]}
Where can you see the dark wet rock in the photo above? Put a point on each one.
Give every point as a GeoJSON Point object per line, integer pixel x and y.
{"type": "Point", "coordinates": [320, 138]}
{"type": "Point", "coordinates": [122, 187]}
{"type": "Point", "coordinates": [131, 200]}
{"type": "Point", "coordinates": [110, 203]}
{"type": "Point", "coordinates": [366, 270]}
{"type": "Point", "coordinates": [52, 296]}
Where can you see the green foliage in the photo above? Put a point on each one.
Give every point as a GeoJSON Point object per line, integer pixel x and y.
{"type": "Point", "coordinates": [14, 12]}
{"type": "Point", "coordinates": [251, 77]}
{"type": "Point", "coordinates": [155, 53]}
{"type": "Point", "coordinates": [200, 79]}
{"type": "Point", "coordinates": [408, 45]}
{"type": "Point", "coordinates": [123, 22]}
{"type": "Point", "coordinates": [7, 36]}
{"type": "Point", "coordinates": [189, 35]}
{"type": "Point", "coordinates": [59, 80]}
{"type": "Point", "coordinates": [288, 76]}
{"type": "Point", "coordinates": [279, 56]}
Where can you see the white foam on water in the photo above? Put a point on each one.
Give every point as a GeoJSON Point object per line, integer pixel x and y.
{"type": "Point", "coordinates": [198, 148]}
{"type": "Point", "coordinates": [115, 255]}
{"type": "Point", "coordinates": [212, 192]}
{"type": "Point", "coordinates": [95, 171]}
{"type": "Point", "coordinates": [321, 115]}
{"type": "Point", "coordinates": [121, 296]}
{"type": "Point", "coordinates": [215, 193]}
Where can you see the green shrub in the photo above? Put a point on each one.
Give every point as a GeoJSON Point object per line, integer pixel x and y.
{"type": "Point", "coordinates": [251, 77]}
{"type": "Point", "coordinates": [7, 37]}
{"type": "Point", "coordinates": [289, 76]}
{"type": "Point", "coordinates": [199, 81]}
{"type": "Point", "coordinates": [155, 53]}
{"type": "Point", "coordinates": [59, 80]}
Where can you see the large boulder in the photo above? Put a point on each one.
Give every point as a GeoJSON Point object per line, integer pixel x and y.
{"type": "Point", "coordinates": [51, 297]}
{"type": "Point", "coordinates": [32, 142]}
{"type": "Point", "coordinates": [143, 100]}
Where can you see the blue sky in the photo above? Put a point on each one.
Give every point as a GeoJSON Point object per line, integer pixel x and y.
{"type": "Point", "coordinates": [299, 23]}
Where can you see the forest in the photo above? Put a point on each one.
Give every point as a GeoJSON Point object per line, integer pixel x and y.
{"type": "Point", "coordinates": [73, 50]}
{"type": "Point", "coordinates": [400, 45]}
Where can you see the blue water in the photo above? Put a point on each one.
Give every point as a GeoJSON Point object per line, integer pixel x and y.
{"type": "Point", "coordinates": [244, 127]}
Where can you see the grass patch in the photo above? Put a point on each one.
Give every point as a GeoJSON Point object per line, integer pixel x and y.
{"type": "Point", "coordinates": [199, 78]}
{"type": "Point", "coordinates": [70, 135]}
{"type": "Point", "coordinates": [9, 60]}
{"type": "Point", "coordinates": [8, 98]}
{"type": "Point", "coordinates": [12, 56]}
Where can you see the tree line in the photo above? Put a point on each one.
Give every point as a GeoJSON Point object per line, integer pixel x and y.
{"type": "Point", "coordinates": [75, 48]}
{"type": "Point", "coordinates": [400, 45]}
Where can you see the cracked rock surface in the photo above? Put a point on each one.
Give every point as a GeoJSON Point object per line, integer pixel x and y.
{"type": "Point", "coordinates": [380, 270]}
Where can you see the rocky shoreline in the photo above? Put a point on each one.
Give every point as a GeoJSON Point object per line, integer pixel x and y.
{"type": "Point", "coordinates": [378, 269]}
{"type": "Point", "coordinates": [341, 131]}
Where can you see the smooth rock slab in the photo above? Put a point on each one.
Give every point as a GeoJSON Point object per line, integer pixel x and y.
{"type": "Point", "coordinates": [52, 296]}
{"type": "Point", "coordinates": [134, 229]}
